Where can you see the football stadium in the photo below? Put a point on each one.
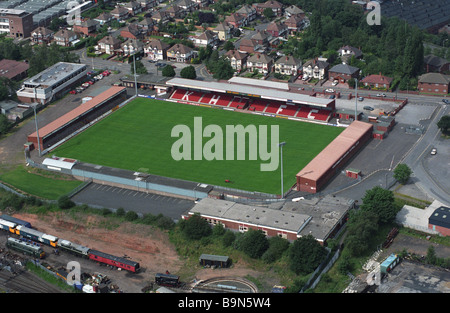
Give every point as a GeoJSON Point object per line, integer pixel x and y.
{"type": "Point", "coordinates": [140, 135]}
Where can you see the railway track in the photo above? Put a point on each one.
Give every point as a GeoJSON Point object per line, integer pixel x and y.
{"type": "Point", "coordinates": [25, 282]}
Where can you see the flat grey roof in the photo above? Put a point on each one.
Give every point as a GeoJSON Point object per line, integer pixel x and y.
{"type": "Point", "coordinates": [326, 213]}
{"type": "Point", "coordinates": [251, 215]}
{"type": "Point", "coordinates": [54, 73]}
{"type": "Point", "coordinates": [251, 90]}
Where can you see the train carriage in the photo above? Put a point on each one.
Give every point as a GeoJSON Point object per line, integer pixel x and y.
{"type": "Point", "coordinates": [109, 259]}
{"type": "Point", "coordinates": [15, 220]}
{"type": "Point", "coordinates": [25, 247]}
{"type": "Point", "coordinates": [73, 248]}
{"type": "Point", "coordinates": [36, 235]}
{"type": "Point", "coordinates": [8, 226]}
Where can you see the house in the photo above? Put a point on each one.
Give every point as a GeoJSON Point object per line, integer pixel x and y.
{"type": "Point", "coordinates": [261, 62]}
{"type": "Point", "coordinates": [435, 83]}
{"type": "Point", "coordinates": [316, 68]}
{"type": "Point", "coordinates": [236, 20]}
{"type": "Point", "coordinates": [133, 7]}
{"type": "Point", "coordinates": [131, 31]}
{"type": "Point", "coordinates": [104, 18]}
{"type": "Point", "coordinates": [180, 53]}
{"type": "Point", "coordinates": [277, 29]}
{"type": "Point", "coordinates": [109, 44]}
{"type": "Point", "coordinates": [161, 17]}
{"type": "Point", "coordinates": [262, 38]}
{"type": "Point", "coordinates": [13, 70]}
{"type": "Point", "coordinates": [349, 51]}
{"type": "Point", "coordinates": [65, 37]}
{"type": "Point", "coordinates": [377, 81]}
{"type": "Point", "coordinates": [288, 65]}
{"type": "Point", "coordinates": [436, 64]}
{"type": "Point", "coordinates": [147, 4]}
{"type": "Point", "coordinates": [208, 37]}
{"type": "Point", "coordinates": [42, 35]}
{"type": "Point", "coordinates": [156, 50]}
{"type": "Point", "coordinates": [248, 11]}
{"type": "Point", "coordinates": [293, 10]}
{"type": "Point", "coordinates": [238, 60]}
{"type": "Point", "coordinates": [87, 27]}
{"type": "Point", "coordinates": [223, 31]}
{"type": "Point", "coordinates": [147, 25]}
{"type": "Point", "coordinates": [276, 7]}
{"type": "Point", "coordinates": [294, 23]}
{"type": "Point", "coordinates": [343, 72]}
{"type": "Point", "coordinates": [176, 11]}
{"type": "Point", "coordinates": [131, 46]}
{"type": "Point", "coordinates": [202, 3]}
{"type": "Point", "coordinates": [250, 46]}
{"type": "Point", "coordinates": [120, 13]}
{"type": "Point", "coordinates": [188, 5]}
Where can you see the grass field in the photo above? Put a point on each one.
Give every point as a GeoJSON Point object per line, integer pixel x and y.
{"type": "Point", "coordinates": [138, 137]}
{"type": "Point", "coordinates": [40, 183]}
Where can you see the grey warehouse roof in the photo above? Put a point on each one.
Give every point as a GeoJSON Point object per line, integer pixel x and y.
{"type": "Point", "coordinates": [251, 215]}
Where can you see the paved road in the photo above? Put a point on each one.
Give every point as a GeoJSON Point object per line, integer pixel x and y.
{"type": "Point", "coordinates": [432, 175]}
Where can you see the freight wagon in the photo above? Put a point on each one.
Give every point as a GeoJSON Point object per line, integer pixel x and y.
{"type": "Point", "coordinates": [167, 280]}
{"type": "Point", "coordinates": [25, 247]}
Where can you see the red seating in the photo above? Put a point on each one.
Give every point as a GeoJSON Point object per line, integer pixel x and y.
{"type": "Point", "coordinates": [303, 112]}
{"type": "Point", "coordinates": [187, 95]}
{"type": "Point", "coordinates": [319, 114]}
{"type": "Point", "coordinates": [289, 110]}
{"type": "Point", "coordinates": [258, 105]}
{"type": "Point", "coordinates": [238, 102]}
{"type": "Point", "coordinates": [220, 99]}
{"type": "Point", "coordinates": [178, 94]}
{"type": "Point", "coordinates": [273, 107]}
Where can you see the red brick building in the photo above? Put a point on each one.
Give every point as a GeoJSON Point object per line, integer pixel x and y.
{"type": "Point", "coordinates": [440, 221]}
{"type": "Point", "coordinates": [434, 83]}
{"type": "Point", "coordinates": [16, 23]}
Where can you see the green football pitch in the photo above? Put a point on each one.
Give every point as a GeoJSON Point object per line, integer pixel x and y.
{"type": "Point", "coordinates": [138, 137]}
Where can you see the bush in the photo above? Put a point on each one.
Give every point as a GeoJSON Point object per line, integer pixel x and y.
{"type": "Point", "coordinates": [106, 211]}
{"type": "Point", "coordinates": [120, 212]}
{"type": "Point", "coordinates": [228, 238]}
{"type": "Point", "coordinates": [196, 227]}
{"type": "Point", "coordinates": [253, 243]}
{"type": "Point", "coordinates": [64, 202]}
{"type": "Point", "coordinates": [168, 71]}
{"type": "Point", "coordinates": [277, 246]}
{"type": "Point", "coordinates": [131, 216]}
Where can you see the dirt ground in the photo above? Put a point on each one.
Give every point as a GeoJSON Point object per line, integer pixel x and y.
{"type": "Point", "coordinates": [146, 245]}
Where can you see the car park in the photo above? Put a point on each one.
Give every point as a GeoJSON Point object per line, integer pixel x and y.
{"type": "Point", "coordinates": [433, 151]}
{"type": "Point", "coordinates": [368, 108]}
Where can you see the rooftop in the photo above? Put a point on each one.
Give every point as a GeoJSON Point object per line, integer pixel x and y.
{"type": "Point", "coordinates": [54, 73]}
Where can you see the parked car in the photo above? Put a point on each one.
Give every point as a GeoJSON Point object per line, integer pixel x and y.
{"type": "Point", "coordinates": [381, 95]}
{"type": "Point", "coordinates": [329, 90]}
{"type": "Point", "coordinates": [335, 83]}
{"type": "Point", "coordinates": [73, 92]}
{"type": "Point", "coordinates": [332, 96]}
{"type": "Point", "coordinates": [433, 151]}
{"type": "Point", "coordinates": [368, 108]}
{"type": "Point", "coordinates": [361, 99]}
{"type": "Point", "coordinates": [446, 101]}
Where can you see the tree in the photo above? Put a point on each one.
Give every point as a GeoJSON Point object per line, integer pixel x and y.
{"type": "Point", "coordinates": [4, 124]}
{"type": "Point", "coordinates": [140, 68]}
{"type": "Point", "coordinates": [268, 13]}
{"type": "Point", "coordinates": [228, 46]}
{"type": "Point", "coordinates": [444, 124]}
{"type": "Point", "coordinates": [168, 71]}
{"type": "Point", "coordinates": [306, 254]}
{"type": "Point", "coordinates": [196, 227]}
{"type": "Point", "coordinates": [361, 227]}
{"type": "Point", "coordinates": [277, 246]}
{"type": "Point", "coordinates": [188, 72]}
{"type": "Point", "coordinates": [381, 202]}
{"type": "Point", "coordinates": [402, 173]}
{"type": "Point", "coordinates": [253, 243]}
